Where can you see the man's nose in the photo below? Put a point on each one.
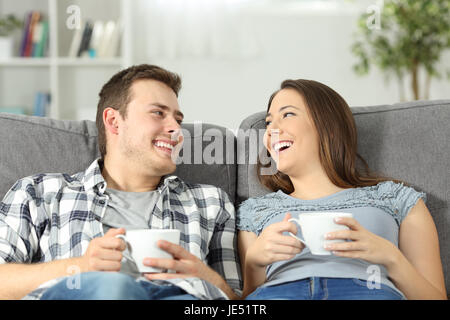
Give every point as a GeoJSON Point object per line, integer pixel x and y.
{"type": "Point", "coordinates": [172, 126]}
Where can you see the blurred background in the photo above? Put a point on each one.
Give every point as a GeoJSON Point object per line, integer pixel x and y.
{"type": "Point", "coordinates": [55, 55]}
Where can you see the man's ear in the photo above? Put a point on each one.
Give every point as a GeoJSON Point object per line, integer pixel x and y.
{"type": "Point", "coordinates": [110, 120]}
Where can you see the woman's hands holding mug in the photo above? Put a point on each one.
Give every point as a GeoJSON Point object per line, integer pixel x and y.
{"type": "Point", "coordinates": [272, 246]}
{"type": "Point", "coordinates": [365, 245]}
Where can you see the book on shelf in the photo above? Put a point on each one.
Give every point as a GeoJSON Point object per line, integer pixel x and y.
{"type": "Point", "coordinates": [35, 35]}
{"type": "Point", "coordinates": [96, 40]}
{"type": "Point", "coordinates": [41, 107]}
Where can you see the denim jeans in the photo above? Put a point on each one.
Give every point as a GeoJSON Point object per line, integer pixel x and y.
{"type": "Point", "coordinates": [317, 288]}
{"type": "Point", "coordinates": [111, 286]}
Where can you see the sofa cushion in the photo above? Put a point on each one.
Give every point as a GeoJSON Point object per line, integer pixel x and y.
{"type": "Point", "coordinates": [31, 145]}
{"type": "Point", "coordinates": [408, 141]}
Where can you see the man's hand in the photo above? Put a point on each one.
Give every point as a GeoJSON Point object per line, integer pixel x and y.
{"type": "Point", "coordinates": [104, 253]}
{"type": "Point", "coordinates": [186, 265]}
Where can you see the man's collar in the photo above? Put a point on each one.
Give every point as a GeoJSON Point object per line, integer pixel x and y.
{"type": "Point", "coordinates": [93, 178]}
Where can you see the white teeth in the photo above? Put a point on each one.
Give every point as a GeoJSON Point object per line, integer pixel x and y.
{"type": "Point", "coordinates": [279, 145]}
{"type": "Point", "coordinates": [163, 144]}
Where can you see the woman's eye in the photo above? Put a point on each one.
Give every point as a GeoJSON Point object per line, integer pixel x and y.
{"type": "Point", "coordinates": [288, 113]}
{"type": "Point", "coordinates": [159, 113]}
{"type": "Point", "coordinates": [267, 122]}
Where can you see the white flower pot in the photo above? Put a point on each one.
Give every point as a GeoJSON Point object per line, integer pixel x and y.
{"type": "Point", "coordinates": [6, 48]}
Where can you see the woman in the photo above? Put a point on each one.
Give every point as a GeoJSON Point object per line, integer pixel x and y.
{"type": "Point", "coordinates": [392, 249]}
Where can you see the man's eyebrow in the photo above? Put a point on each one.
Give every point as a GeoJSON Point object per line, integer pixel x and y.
{"type": "Point", "coordinates": [282, 108]}
{"type": "Point", "coordinates": [166, 108]}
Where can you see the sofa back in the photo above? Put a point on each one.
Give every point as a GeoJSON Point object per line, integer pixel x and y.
{"type": "Point", "coordinates": [408, 141]}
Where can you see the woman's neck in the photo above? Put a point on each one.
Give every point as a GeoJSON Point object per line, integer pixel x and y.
{"type": "Point", "coordinates": [313, 186]}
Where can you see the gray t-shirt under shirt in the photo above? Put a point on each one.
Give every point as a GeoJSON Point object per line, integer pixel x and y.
{"type": "Point", "coordinates": [129, 210]}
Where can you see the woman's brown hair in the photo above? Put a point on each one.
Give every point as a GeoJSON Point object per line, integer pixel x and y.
{"type": "Point", "coordinates": [336, 129]}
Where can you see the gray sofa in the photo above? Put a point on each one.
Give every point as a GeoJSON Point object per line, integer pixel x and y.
{"type": "Point", "coordinates": [407, 141]}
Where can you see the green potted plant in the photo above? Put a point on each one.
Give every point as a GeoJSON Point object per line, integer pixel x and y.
{"type": "Point", "coordinates": [8, 24]}
{"type": "Point", "coordinates": [409, 40]}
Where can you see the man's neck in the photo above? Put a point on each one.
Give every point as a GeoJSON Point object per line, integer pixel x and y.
{"type": "Point", "coordinates": [127, 178]}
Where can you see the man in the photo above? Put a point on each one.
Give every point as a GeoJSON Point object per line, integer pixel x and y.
{"type": "Point", "coordinates": [55, 225]}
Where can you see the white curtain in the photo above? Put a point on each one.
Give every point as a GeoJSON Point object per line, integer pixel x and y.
{"type": "Point", "coordinates": [195, 28]}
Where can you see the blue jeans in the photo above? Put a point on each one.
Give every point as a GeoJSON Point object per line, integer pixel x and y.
{"type": "Point", "coordinates": [111, 286]}
{"type": "Point", "coordinates": [317, 288]}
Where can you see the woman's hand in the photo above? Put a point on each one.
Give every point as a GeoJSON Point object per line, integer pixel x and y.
{"type": "Point", "coordinates": [271, 245]}
{"type": "Point", "coordinates": [365, 245]}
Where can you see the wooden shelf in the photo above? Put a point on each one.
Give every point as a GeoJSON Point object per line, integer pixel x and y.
{"type": "Point", "coordinates": [25, 62]}
{"type": "Point", "coordinates": [74, 62]}
{"type": "Point", "coordinates": [77, 62]}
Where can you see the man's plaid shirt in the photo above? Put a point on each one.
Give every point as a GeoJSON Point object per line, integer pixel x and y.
{"type": "Point", "coordinates": [49, 217]}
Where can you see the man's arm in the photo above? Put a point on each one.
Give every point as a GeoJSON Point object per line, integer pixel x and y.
{"type": "Point", "coordinates": [103, 254]}
{"type": "Point", "coordinates": [19, 279]}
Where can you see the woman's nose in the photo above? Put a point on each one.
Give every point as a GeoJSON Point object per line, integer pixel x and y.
{"type": "Point", "coordinates": [273, 132]}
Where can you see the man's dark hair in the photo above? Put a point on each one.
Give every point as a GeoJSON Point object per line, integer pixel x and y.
{"type": "Point", "coordinates": [116, 93]}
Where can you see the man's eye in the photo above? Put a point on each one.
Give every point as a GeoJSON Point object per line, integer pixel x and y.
{"type": "Point", "coordinates": [180, 121]}
{"type": "Point", "coordinates": [159, 113]}
{"type": "Point", "coordinates": [267, 122]}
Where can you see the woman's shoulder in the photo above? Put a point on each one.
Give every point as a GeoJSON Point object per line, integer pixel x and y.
{"type": "Point", "coordinates": [396, 197]}
{"type": "Point", "coordinates": [258, 201]}
{"type": "Point", "coordinates": [387, 190]}
{"type": "Point", "coordinates": [252, 212]}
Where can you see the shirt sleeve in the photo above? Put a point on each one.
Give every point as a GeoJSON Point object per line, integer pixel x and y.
{"type": "Point", "coordinates": [245, 216]}
{"type": "Point", "coordinates": [223, 255]}
{"type": "Point", "coordinates": [18, 238]}
{"type": "Point", "coordinates": [405, 199]}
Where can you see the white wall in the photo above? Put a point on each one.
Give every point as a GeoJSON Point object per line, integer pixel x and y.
{"type": "Point", "coordinates": [293, 43]}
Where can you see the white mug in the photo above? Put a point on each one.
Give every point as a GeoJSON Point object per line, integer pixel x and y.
{"type": "Point", "coordinates": [142, 243]}
{"type": "Point", "coordinates": [315, 225]}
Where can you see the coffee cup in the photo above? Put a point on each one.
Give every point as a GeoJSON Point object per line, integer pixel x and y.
{"type": "Point", "coordinates": [314, 226]}
{"type": "Point", "coordinates": [142, 243]}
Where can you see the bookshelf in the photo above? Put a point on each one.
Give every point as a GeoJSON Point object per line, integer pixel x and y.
{"type": "Point", "coordinates": [73, 82]}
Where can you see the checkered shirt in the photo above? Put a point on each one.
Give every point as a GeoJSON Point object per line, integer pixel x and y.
{"type": "Point", "coordinates": [49, 217]}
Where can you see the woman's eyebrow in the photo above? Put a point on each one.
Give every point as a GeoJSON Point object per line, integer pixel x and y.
{"type": "Point", "coordinates": [281, 109]}
{"type": "Point", "coordinates": [285, 107]}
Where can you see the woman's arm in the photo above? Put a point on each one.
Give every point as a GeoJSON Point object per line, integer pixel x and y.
{"type": "Point", "coordinates": [415, 266]}
{"type": "Point", "coordinates": [253, 276]}
{"type": "Point", "coordinates": [257, 252]}
{"type": "Point", "coordinates": [418, 270]}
